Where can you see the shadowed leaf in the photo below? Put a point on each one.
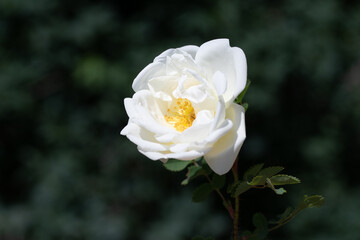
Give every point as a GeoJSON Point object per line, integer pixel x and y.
{"type": "Point", "coordinates": [191, 174]}
{"type": "Point", "coordinates": [270, 171]}
{"type": "Point", "coordinates": [252, 172]}
{"type": "Point", "coordinates": [202, 192]}
{"type": "Point", "coordinates": [261, 226]}
{"type": "Point", "coordinates": [240, 188]}
{"type": "Point", "coordinates": [218, 181]}
{"type": "Point", "coordinates": [176, 165]}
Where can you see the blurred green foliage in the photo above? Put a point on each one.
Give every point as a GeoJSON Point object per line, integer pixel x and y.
{"type": "Point", "coordinates": [66, 66]}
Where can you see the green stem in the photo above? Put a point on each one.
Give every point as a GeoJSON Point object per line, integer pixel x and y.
{"type": "Point", "coordinates": [236, 216]}
{"type": "Point", "coordinates": [226, 203]}
{"type": "Point", "coordinates": [281, 224]}
{"type": "Point", "coordinates": [273, 228]}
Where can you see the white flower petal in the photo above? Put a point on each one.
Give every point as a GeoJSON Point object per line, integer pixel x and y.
{"type": "Point", "coordinates": [223, 154]}
{"type": "Point", "coordinates": [199, 129]}
{"type": "Point", "coordinates": [152, 155]}
{"type": "Point", "coordinates": [215, 135]}
{"type": "Point", "coordinates": [207, 144]}
{"type": "Point", "coordinates": [209, 103]}
{"type": "Point", "coordinates": [162, 87]}
{"type": "Point", "coordinates": [143, 138]}
{"type": "Point", "coordinates": [147, 111]}
{"type": "Point", "coordinates": [195, 94]}
{"type": "Point", "coordinates": [219, 81]}
{"type": "Point", "coordinates": [176, 60]}
{"type": "Point", "coordinates": [187, 156]}
{"type": "Point", "coordinates": [190, 155]}
{"type": "Point", "coordinates": [240, 66]}
{"type": "Point", "coordinates": [152, 70]}
{"type": "Point", "coordinates": [166, 137]}
{"type": "Point", "coordinates": [193, 87]}
{"type": "Point", "coordinates": [190, 49]}
{"type": "Point", "coordinates": [217, 55]}
{"type": "Point", "coordinates": [180, 147]}
{"type": "Point", "coordinates": [220, 113]}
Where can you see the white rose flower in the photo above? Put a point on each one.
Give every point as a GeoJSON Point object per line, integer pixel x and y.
{"type": "Point", "coordinates": [183, 106]}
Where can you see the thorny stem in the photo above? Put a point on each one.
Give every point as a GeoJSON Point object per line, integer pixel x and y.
{"type": "Point", "coordinates": [236, 217]}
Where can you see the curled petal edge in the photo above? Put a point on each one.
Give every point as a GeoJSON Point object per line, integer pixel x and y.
{"type": "Point", "coordinates": [223, 154]}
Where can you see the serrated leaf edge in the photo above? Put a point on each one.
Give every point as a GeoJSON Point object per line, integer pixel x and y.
{"type": "Point", "coordinates": [289, 176]}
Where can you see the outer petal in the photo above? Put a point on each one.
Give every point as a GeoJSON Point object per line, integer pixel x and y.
{"type": "Point", "coordinates": [152, 70]}
{"type": "Point", "coordinates": [223, 154]}
{"type": "Point", "coordinates": [217, 55]}
{"type": "Point", "coordinates": [240, 69]}
{"type": "Point", "coordinates": [142, 138]}
{"type": "Point", "coordinates": [186, 156]}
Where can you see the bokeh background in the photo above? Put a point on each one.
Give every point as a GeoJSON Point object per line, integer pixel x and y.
{"type": "Point", "coordinates": [66, 66]}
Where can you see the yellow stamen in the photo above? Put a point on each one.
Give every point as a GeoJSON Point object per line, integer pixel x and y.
{"type": "Point", "coordinates": [181, 114]}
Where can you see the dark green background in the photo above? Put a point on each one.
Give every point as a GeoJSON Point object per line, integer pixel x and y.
{"type": "Point", "coordinates": [66, 66]}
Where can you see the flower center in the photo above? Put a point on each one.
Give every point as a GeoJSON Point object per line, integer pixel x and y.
{"type": "Point", "coordinates": [181, 114]}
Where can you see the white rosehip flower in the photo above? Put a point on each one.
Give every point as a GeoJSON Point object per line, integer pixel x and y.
{"type": "Point", "coordinates": [183, 106]}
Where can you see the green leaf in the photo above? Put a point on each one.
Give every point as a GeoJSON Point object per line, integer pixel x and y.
{"type": "Point", "coordinates": [202, 192]}
{"type": "Point", "coordinates": [285, 215]}
{"type": "Point", "coordinates": [205, 166]}
{"type": "Point", "coordinates": [240, 188]}
{"type": "Point", "coordinates": [231, 188]}
{"type": "Point", "coordinates": [309, 202]}
{"type": "Point", "coordinates": [200, 160]}
{"type": "Point", "coordinates": [242, 94]}
{"type": "Point", "coordinates": [258, 180]}
{"type": "Point", "coordinates": [282, 179]}
{"type": "Point", "coordinates": [314, 201]}
{"type": "Point", "coordinates": [218, 181]}
{"type": "Point", "coordinates": [270, 171]}
{"type": "Point", "coordinates": [279, 191]}
{"type": "Point", "coordinates": [252, 172]}
{"type": "Point", "coordinates": [259, 220]}
{"type": "Point", "coordinates": [261, 225]}
{"type": "Point", "coordinates": [191, 174]}
{"type": "Point", "coordinates": [176, 165]}
{"type": "Point", "coordinates": [265, 173]}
